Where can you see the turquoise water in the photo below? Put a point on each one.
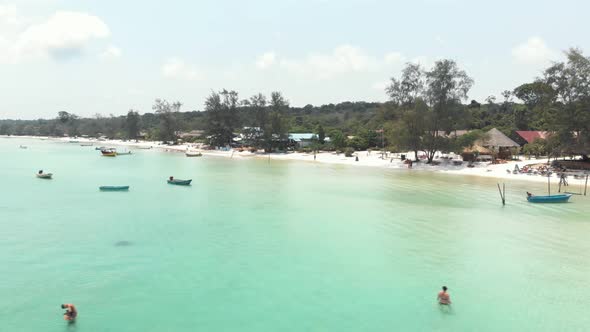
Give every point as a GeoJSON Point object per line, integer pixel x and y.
{"type": "Point", "coordinates": [285, 246]}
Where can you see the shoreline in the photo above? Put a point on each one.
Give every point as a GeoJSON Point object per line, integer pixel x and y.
{"type": "Point", "coordinates": [366, 159]}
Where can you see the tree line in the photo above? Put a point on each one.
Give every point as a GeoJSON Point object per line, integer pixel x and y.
{"type": "Point", "coordinates": [425, 107]}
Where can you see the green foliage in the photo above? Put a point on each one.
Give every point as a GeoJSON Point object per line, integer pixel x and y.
{"type": "Point", "coordinates": [358, 143]}
{"type": "Point", "coordinates": [221, 111]}
{"type": "Point", "coordinates": [337, 139]}
{"type": "Point", "coordinates": [537, 148]}
{"type": "Point", "coordinates": [321, 134]}
{"type": "Point", "coordinates": [167, 113]}
{"type": "Point", "coordinates": [348, 152]}
{"type": "Point", "coordinates": [132, 124]}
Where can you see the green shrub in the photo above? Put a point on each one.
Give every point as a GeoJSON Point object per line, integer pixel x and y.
{"type": "Point", "coordinates": [348, 152]}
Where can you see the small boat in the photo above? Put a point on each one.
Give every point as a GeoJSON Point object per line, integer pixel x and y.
{"type": "Point", "coordinates": [74, 141]}
{"type": "Point", "coordinates": [86, 144]}
{"type": "Point", "coordinates": [123, 153]}
{"type": "Point", "coordinates": [109, 152]}
{"type": "Point", "coordinates": [113, 188]}
{"type": "Point", "coordinates": [561, 198]}
{"type": "Point", "coordinates": [193, 154]}
{"type": "Point", "coordinates": [22, 146]}
{"type": "Point", "coordinates": [100, 148]}
{"type": "Point", "coordinates": [143, 147]}
{"type": "Point", "coordinates": [44, 175]}
{"type": "Point", "coordinates": [179, 182]}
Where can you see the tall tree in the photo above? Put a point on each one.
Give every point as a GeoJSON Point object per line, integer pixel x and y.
{"type": "Point", "coordinates": [409, 87]}
{"type": "Point", "coordinates": [167, 113]}
{"type": "Point", "coordinates": [571, 82]}
{"type": "Point", "coordinates": [321, 134]}
{"type": "Point", "coordinates": [69, 122]}
{"type": "Point", "coordinates": [262, 119]}
{"type": "Point", "coordinates": [279, 120]}
{"type": "Point", "coordinates": [407, 95]}
{"type": "Point", "coordinates": [221, 111]}
{"type": "Point", "coordinates": [446, 86]}
{"type": "Point", "coordinates": [132, 124]}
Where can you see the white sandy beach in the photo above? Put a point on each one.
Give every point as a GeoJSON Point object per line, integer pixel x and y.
{"type": "Point", "coordinates": [365, 159]}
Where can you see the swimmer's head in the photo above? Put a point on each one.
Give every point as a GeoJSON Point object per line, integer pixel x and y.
{"type": "Point", "coordinates": [445, 288]}
{"type": "Point", "coordinates": [63, 306]}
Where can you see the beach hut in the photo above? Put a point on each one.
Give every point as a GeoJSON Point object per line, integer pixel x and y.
{"type": "Point", "coordinates": [523, 137]}
{"type": "Point", "coordinates": [302, 140]}
{"type": "Point", "coordinates": [500, 144]}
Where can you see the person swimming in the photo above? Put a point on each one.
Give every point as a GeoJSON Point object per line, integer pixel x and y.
{"type": "Point", "coordinates": [71, 312]}
{"type": "Point", "coordinates": [444, 297]}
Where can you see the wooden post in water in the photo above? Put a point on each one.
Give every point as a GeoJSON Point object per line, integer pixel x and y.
{"type": "Point", "coordinates": [502, 195]}
{"type": "Point", "coordinates": [586, 185]}
{"type": "Point", "coordinates": [549, 184]}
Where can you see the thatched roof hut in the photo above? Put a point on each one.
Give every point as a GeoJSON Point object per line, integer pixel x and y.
{"type": "Point", "coordinates": [495, 139]}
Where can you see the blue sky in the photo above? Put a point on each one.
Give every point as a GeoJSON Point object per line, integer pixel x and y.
{"type": "Point", "coordinates": [107, 56]}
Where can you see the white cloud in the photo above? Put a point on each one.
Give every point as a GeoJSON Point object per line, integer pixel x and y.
{"type": "Point", "coordinates": [176, 68]}
{"type": "Point", "coordinates": [533, 51]}
{"type": "Point", "coordinates": [266, 60]}
{"type": "Point", "coordinates": [64, 34]}
{"type": "Point", "coordinates": [342, 60]}
{"type": "Point", "coordinates": [9, 18]}
{"type": "Point", "coordinates": [394, 58]}
{"type": "Point", "coordinates": [381, 86]}
{"type": "Point", "coordinates": [111, 52]}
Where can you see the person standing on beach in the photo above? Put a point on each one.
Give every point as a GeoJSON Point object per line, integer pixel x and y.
{"type": "Point", "coordinates": [444, 297]}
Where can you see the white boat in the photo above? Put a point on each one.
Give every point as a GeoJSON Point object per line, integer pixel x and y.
{"type": "Point", "coordinates": [44, 175]}
{"type": "Point", "coordinates": [193, 154]}
{"type": "Point", "coordinates": [123, 153]}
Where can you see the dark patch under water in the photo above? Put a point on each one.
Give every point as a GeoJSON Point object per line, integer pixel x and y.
{"type": "Point", "coordinates": [123, 243]}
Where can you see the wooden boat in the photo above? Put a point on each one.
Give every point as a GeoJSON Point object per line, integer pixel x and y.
{"type": "Point", "coordinates": [44, 175]}
{"type": "Point", "coordinates": [560, 198]}
{"type": "Point", "coordinates": [113, 188]}
{"type": "Point", "coordinates": [123, 153]}
{"type": "Point", "coordinates": [193, 154]}
{"type": "Point", "coordinates": [179, 182]}
{"type": "Point", "coordinates": [109, 153]}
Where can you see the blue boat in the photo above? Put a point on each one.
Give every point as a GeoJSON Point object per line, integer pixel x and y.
{"type": "Point", "coordinates": [113, 188]}
{"type": "Point", "coordinates": [561, 198]}
{"type": "Point", "coordinates": [179, 182]}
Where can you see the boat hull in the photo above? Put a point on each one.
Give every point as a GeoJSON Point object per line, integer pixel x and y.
{"type": "Point", "coordinates": [44, 175]}
{"type": "Point", "coordinates": [193, 154]}
{"type": "Point", "coordinates": [113, 188]}
{"type": "Point", "coordinates": [180, 182]}
{"type": "Point", "coordinates": [562, 198]}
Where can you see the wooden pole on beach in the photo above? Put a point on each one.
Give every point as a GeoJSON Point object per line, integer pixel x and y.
{"type": "Point", "coordinates": [586, 185]}
{"type": "Point", "coordinates": [549, 184]}
{"type": "Point", "coordinates": [502, 195]}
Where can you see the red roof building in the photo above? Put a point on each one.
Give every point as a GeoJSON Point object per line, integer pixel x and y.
{"type": "Point", "coordinates": [530, 135]}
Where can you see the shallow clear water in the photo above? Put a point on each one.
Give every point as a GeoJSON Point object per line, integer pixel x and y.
{"type": "Point", "coordinates": [279, 246]}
